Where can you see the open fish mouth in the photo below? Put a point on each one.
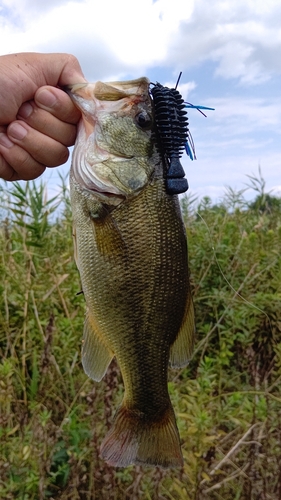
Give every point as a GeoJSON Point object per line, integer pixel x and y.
{"type": "Point", "coordinates": [114, 138]}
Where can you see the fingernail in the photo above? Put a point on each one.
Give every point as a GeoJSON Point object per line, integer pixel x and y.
{"type": "Point", "coordinates": [25, 110]}
{"type": "Point", "coordinates": [46, 98]}
{"type": "Point", "coordinates": [17, 131]}
{"type": "Point", "coordinates": [5, 141]}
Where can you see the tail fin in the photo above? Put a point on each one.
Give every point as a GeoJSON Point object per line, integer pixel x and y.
{"type": "Point", "coordinates": [134, 440]}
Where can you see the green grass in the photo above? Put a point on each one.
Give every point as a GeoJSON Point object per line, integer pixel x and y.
{"type": "Point", "coordinates": [227, 401]}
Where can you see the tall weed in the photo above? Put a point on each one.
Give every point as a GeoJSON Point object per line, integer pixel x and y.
{"type": "Point", "coordinates": [227, 401]}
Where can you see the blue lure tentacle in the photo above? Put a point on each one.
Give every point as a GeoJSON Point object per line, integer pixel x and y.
{"type": "Point", "coordinates": [199, 108]}
{"type": "Point", "coordinates": [190, 149]}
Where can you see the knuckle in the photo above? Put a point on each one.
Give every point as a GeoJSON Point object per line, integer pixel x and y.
{"type": "Point", "coordinates": [70, 136]}
{"type": "Point", "coordinates": [6, 171]}
{"type": "Point", "coordinates": [52, 156]}
{"type": "Point", "coordinates": [61, 157]}
{"type": "Point", "coordinates": [72, 60]}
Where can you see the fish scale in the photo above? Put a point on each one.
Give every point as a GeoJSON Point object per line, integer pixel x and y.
{"type": "Point", "coordinates": [132, 258]}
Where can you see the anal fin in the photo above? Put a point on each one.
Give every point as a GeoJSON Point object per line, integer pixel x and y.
{"type": "Point", "coordinates": [181, 349]}
{"type": "Point", "coordinates": [96, 356]}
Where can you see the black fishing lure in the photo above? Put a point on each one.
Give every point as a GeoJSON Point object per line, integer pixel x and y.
{"type": "Point", "coordinates": [171, 134]}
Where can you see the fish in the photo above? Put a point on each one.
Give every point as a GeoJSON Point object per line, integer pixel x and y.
{"type": "Point", "coordinates": [131, 252]}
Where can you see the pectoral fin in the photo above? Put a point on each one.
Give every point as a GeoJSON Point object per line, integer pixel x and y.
{"type": "Point", "coordinates": [108, 237]}
{"type": "Point", "coordinates": [181, 349]}
{"type": "Point", "coordinates": [96, 356]}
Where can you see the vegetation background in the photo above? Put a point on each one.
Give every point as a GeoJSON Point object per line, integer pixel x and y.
{"type": "Point", "coordinates": [227, 401]}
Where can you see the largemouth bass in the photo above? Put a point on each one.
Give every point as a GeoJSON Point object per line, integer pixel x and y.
{"type": "Point", "coordinates": [131, 252]}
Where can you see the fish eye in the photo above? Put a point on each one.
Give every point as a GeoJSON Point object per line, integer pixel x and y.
{"type": "Point", "coordinates": [144, 120]}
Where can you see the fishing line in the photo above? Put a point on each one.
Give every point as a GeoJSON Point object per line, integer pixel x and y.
{"type": "Point", "coordinates": [237, 293]}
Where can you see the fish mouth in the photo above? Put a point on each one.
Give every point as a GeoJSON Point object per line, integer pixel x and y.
{"type": "Point", "coordinates": [109, 91]}
{"type": "Point", "coordinates": [110, 172]}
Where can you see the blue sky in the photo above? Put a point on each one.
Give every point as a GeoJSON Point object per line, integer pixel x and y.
{"type": "Point", "coordinates": [229, 53]}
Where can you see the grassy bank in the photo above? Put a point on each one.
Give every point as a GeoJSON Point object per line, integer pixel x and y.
{"type": "Point", "coordinates": [227, 401]}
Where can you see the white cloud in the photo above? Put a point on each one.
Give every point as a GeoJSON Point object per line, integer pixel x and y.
{"type": "Point", "coordinates": [131, 33]}
{"type": "Point", "coordinates": [239, 42]}
{"type": "Point", "coordinates": [184, 88]}
{"type": "Point", "coordinates": [242, 37]}
{"type": "Point", "coordinates": [235, 111]}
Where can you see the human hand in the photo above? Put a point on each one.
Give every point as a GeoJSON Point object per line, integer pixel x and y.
{"type": "Point", "coordinates": [37, 119]}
